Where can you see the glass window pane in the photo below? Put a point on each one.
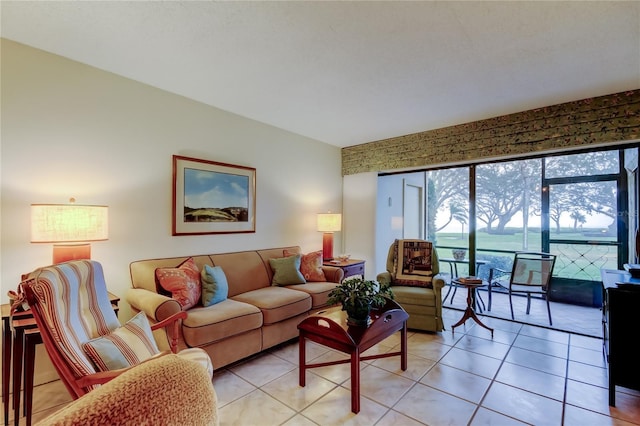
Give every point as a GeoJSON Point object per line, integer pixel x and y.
{"type": "Point", "coordinates": [587, 164]}
{"type": "Point", "coordinates": [583, 211]}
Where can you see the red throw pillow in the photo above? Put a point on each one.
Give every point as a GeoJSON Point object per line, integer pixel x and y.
{"type": "Point", "coordinates": [310, 265]}
{"type": "Point", "coordinates": [183, 282]}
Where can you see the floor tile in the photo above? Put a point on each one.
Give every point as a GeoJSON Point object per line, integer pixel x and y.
{"type": "Point", "coordinates": [457, 382]}
{"type": "Point", "coordinates": [381, 385]}
{"type": "Point", "coordinates": [544, 346]}
{"type": "Point", "coordinates": [473, 363]}
{"type": "Point", "coordinates": [287, 389]}
{"type": "Point", "coordinates": [433, 407]}
{"type": "Point", "coordinates": [547, 363]}
{"type": "Point", "coordinates": [531, 380]}
{"type": "Point", "coordinates": [522, 405]}
{"type": "Point", "coordinates": [486, 417]}
{"type": "Point", "coordinates": [244, 411]}
{"type": "Point", "coordinates": [335, 409]}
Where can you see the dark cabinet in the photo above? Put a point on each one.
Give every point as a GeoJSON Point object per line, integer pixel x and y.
{"type": "Point", "coordinates": [621, 302]}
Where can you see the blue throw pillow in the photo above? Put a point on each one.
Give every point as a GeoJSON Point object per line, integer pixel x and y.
{"type": "Point", "coordinates": [215, 288]}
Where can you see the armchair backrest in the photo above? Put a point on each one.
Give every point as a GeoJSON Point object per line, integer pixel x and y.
{"type": "Point", "coordinates": [533, 269]}
{"type": "Point", "coordinates": [71, 306]}
{"type": "Point", "coordinates": [391, 256]}
{"type": "Point", "coordinates": [427, 260]}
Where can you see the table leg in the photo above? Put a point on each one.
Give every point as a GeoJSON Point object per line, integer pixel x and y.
{"type": "Point", "coordinates": [32, 338]}
{"type": "Point", "coordinates": [17, 372]}
{"type": "Point", "coordinates": [470, 313]}
{"type": "Point", "coordinates": [6, 365]}
{"type": "Point", "coordinates": [302, 360]}
{"type": "Point", "coordinates": [403, 347]}
{"type": "Point", "coordinates": [355, 381]}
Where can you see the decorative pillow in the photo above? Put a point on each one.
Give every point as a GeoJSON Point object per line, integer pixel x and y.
{"type": "Point", "coordinates": [215, 288]}
{"type": "Point", "coordinates": [286, 270]}
{"type": "Point", "coordinates": [123, 347]}
{"type": "Point", "coordinates": [310, 265]}
{"type": "Point", "coordinates": [183, 282]}
{"type": "Point", "coordinates": [412, 263]}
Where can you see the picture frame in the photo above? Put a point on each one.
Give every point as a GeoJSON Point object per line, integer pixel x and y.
{"type": "Point", "coordinates": [212, 198]}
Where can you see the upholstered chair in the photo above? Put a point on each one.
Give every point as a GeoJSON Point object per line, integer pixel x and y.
{"type": "Point", "coordinates": [168, 390]}
{"type": "Point", "coordinates": [81, 332]}
{"type": "Point", "coordinates": [413, 273]}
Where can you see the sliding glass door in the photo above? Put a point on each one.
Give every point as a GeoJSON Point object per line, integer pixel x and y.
{"type": "Point", "coordinates": [574, 205]}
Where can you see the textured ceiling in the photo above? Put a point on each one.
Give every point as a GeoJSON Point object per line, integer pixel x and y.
{"type": "Point", "coordinates": [347, 73]}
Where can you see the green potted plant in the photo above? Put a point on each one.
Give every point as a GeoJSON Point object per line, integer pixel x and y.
{"type": "Point", "coordinates": [357, 296]}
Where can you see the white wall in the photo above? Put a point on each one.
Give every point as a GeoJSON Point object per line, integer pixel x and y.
{"type": "Point", "coordinates": [359, 219]}
{"type": "Point", "coordinates": [70, 130]}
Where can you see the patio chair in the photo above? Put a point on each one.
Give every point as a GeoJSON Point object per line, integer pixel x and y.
{"type": "Point", "coordinates": [531, 274]}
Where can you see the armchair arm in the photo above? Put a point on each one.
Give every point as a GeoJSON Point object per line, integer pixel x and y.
{"type": "Point", "coordinates": [333, 274]}
{"type": "Point", "coordinates": [103, 377]}
{"type": "Point", "coordinates": [156, 306]}
{"type": "Point", "coordinates": [175, 330]}
{"type": "Point", "coordinates": [439, 281]}
{"type": "Point", "coordinates": [384, 278]}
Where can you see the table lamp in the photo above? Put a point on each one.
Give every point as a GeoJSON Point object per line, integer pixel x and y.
{"type": "Point", "coordinates": [328, 223]}
{"type": "Point", "coordinates": [73, 225]}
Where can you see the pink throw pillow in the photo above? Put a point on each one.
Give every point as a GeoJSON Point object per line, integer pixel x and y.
{"type": "Point", "coordinates": [310, 265]}
{"type": "Point", "coordinates": [183, 282]}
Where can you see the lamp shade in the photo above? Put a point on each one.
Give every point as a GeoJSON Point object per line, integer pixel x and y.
{"type": "Point", "coordinates": [58, 223]}
{"type": "Point", "coordinates": [329, 222]}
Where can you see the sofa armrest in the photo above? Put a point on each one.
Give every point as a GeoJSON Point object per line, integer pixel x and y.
{"type": "Point", "coordinates": [384, 278]}
{"type": "Point", "coordinates": [155, 306]}
{"type": "Point", "coordinates": [333, 274]}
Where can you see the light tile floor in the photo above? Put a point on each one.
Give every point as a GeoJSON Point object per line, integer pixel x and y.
{"type": "Point", "coordinates": [525, 375]}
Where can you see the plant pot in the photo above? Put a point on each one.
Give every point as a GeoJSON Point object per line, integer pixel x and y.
{"type": "Point", "coordinates": [359, 317]}
{"type": "Point", "coordinates": [459, 254]}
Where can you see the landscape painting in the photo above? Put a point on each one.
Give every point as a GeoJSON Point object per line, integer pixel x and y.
{"type": "Point", "coordinates": [211, 197]}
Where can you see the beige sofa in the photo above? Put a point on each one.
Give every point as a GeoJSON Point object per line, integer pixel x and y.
{"type": "Point", "coordinates": [256, 315]}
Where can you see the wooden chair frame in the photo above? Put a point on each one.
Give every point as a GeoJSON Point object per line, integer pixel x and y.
{"type": "Point", "coordinates": [78, 386]}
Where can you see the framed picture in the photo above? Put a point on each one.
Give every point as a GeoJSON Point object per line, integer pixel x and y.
{"type": "Point", "coordinates": [212, 198]}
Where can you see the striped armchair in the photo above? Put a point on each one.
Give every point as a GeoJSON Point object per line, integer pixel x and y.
{"type": "Point", "coordinates": [82, 335]}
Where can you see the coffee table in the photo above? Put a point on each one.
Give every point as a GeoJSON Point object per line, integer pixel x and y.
{"type": "Point", "coordinates": [329, 328]}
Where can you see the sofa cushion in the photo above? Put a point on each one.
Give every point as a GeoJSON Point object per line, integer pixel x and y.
{"type": "Point", "coordinates": [277, 303]}
{"type": "Point", "coordinates": [286, 270]}
{"type": "Point", "coordinates": [206, 325]}
{"type": "Point", "coordinates": [414, 295]}
{"type": "Point", "coordinates": [319, 292]}
{"type": "Point", "coordinates": [245, 270]}
{"type": "Point", "coordinates": [123, 347]}
{"type": "Point", "coordinates": [214, 285]}
{"type": "Point", "coordinates": [310, 265]}
{"type": "Point", "coordinates": [183, 282]}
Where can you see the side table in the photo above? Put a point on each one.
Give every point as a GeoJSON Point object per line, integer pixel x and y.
{"type": "Point", "coordinates": [20, 335]}
{"type": "Point", "coordinates": [350, 267]}
{"type": "Point", "coordinates": [469, 312]}
{"type": "Point", "coordinates": [329, 328]}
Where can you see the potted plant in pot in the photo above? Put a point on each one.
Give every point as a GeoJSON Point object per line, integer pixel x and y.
{"type": "Point", "coordinates": [357, 296]}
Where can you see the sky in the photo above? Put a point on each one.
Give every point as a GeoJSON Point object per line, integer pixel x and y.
{"type": "Point", "coordinates": [203, 188]}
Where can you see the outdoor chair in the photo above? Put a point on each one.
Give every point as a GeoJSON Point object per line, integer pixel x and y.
{"type": "Point", "coordinates": [531, 274]}
{"type": "Point", "coordinates": [81, 332]}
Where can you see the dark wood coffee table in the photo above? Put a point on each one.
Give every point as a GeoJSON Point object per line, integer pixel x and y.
{"type": "Point", "coordinates": [329, 328]}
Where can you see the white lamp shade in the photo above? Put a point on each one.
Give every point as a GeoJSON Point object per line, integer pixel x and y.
{"type": "Point", "coordinates": [56, 223]}
{"type": "Point", "coordinates": [329, 222]}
